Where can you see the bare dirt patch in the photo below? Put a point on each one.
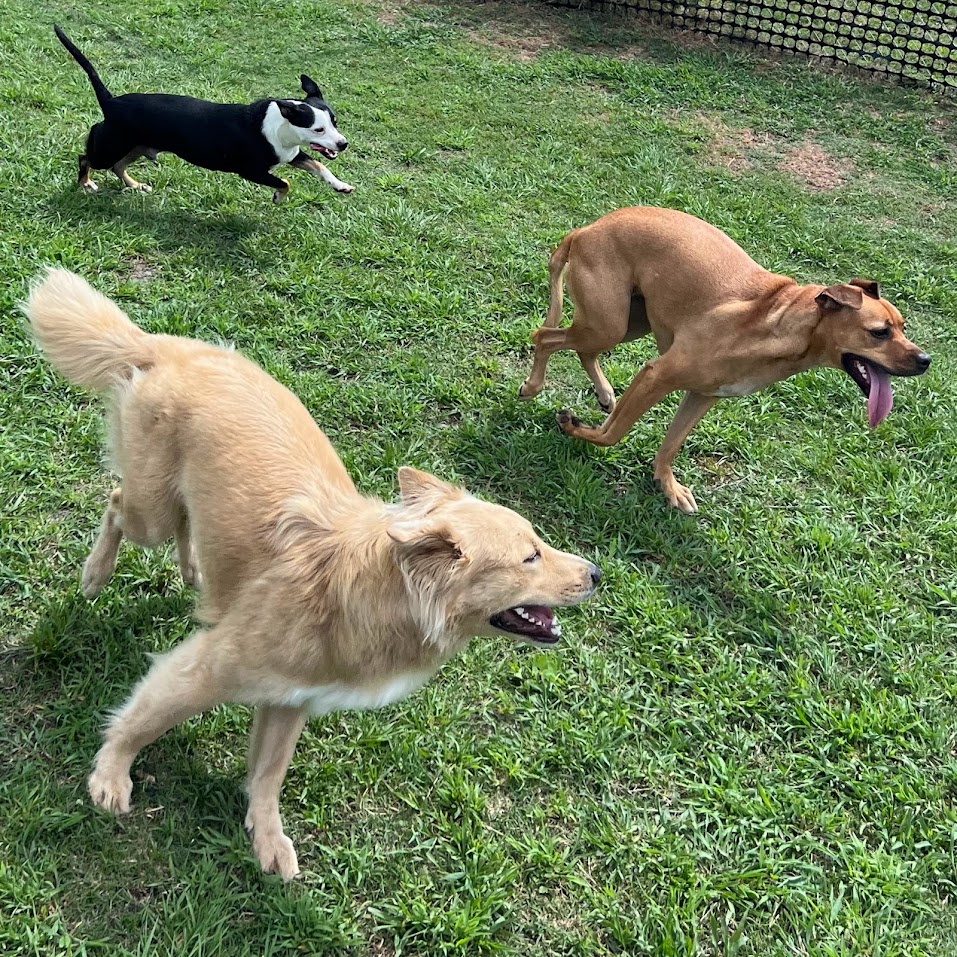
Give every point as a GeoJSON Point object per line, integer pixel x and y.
{"type": "Point", "coordinates": [815, 168]}
{"type": "Point", "coordinates": [142, 271]}
{"type": "Point", "coordinates": [734, 148]}
{"type": "Point", "coordinates": [523, 48]}
{"type": "Point", "coordinates": [742, 148]}
{"type": "Point", "coordinates": [519, 30]}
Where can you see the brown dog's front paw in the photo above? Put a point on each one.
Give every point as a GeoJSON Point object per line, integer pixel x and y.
{"type": "Point", "coordinates": [679, 496]}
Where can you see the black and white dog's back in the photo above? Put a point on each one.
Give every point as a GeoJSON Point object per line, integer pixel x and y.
{"type": "Point", "coordinates": [246, 139]}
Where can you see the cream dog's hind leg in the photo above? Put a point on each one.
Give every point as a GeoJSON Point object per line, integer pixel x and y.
{"type": "Point", "coordinates": [186, 554]}
{"type": "Point", "coordinates": [101, 561]}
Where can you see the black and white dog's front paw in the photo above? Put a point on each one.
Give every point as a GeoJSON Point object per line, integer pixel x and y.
{"type": "Point", "coordinates": [343, 187]}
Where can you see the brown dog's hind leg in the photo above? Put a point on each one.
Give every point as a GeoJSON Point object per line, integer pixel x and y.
{"type": "Point", "coordinates": [101, 561]}
{"type": "Point", "coordinates": [603, 390]}
{"type": "Point", "coordinates": [272, 741]}
{"type": "Point", "coordinates": [693, 407]}
{"type": "Point", "coordinates": [180, 684]}
{"type": "Point", "coordinates": [653, 382]}
{"type": "Point", "coordinates": [547, 341]}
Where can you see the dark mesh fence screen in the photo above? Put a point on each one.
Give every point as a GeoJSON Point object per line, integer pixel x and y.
{"type": "Point", "coordinates": [907, 39]}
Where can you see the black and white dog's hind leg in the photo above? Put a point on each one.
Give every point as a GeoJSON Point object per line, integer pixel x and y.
{"type": "Point", "coordinates": [104, 148]}
{"type": "Point", "coordinates": [127, 180]}
{"type": "Point", "coordinates": [108, 147]}
{"type": "Point", "coordinates": [302, 161]}
{"type": "Point", "coordinates": [280, 187]}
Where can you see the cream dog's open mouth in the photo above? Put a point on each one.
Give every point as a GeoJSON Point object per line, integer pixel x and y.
{"type": "Point", "coordinates": [534, 623]}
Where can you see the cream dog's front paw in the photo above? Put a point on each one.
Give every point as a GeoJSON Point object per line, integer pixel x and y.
{"type": "Point", "coordinates": [276, 853]}
{"type": "Point", "coordinates": [110, 790]}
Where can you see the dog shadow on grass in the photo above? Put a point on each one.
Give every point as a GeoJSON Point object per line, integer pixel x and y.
{"type": "Point", "coordinates": [217, 237]}
{"type": "Point", "coordinates": [604, 504]}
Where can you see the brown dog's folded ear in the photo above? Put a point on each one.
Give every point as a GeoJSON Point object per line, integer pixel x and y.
{"type": "Point", "coordinates": [840, 296]}
{"type": "Point", "coordinates": [870, 287]}
{"type": "Point", "coordinates": [422, 490]}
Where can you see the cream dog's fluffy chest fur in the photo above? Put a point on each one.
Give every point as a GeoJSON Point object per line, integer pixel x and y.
{"type": "Point", "coordinates": [341, 696]}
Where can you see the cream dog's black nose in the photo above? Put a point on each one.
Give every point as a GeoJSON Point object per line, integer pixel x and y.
{"type": "Point", "coordinates": [595, 573]}
{"type": "Point", "coordinates": [922, 362]}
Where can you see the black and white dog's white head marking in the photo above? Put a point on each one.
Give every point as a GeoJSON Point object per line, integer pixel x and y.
{"type": "Point", "coordinates": [310, 122]}
{"type": "Point", "coordinates": [314, 99]}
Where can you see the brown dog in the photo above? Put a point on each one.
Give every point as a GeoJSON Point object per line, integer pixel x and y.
{"type": "Point", "coordinates": [723, 326]}
{"type": "Point", "coordinates": [316, 597]}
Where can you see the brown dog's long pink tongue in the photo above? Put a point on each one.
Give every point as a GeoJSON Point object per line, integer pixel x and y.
{"type": "Point", "coordinates": [880, 400]}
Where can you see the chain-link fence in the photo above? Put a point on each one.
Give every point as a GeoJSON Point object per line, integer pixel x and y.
{"type": "Point", "coordinates": [911, 40]}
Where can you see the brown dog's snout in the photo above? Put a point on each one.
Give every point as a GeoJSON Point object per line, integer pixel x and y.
{"type": "Point", "coordinates": [921, 362]}
{"type": "Point", "coordinates": [595, 574]}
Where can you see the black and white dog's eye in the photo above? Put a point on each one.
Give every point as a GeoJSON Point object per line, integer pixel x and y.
{"type": "Point", "coordinates": [319, 129]}
{"type": "Point", "coordinates": [881, 333]}
{"type": "Point", "coordinates": [533, 558]}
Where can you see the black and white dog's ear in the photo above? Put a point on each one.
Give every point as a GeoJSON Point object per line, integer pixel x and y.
{"type": "Point", "coordinates": [309, 86]}
{"type": "Point", "coordinates": [291, 109]}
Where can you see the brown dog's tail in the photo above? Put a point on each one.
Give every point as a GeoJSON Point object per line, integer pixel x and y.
{"type": "Point", "coordinates": [87, 337]}
{"type": "Point", "coordinates": [556, 269]}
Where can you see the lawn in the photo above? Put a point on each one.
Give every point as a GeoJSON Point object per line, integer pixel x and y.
{"type": "Point", "coordinates": [745, 744]}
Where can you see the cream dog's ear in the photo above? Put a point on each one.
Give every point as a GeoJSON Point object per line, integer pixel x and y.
{"type": "Point", "coordinates": [420, 490]}
{"type": "Point", "coordinates": [428, 556]}
{"type": "Point", "coordinates": [424, 540]}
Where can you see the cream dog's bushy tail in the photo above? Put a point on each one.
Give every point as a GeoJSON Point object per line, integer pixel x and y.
{"type": "Point", "coordinates": [88, 338]}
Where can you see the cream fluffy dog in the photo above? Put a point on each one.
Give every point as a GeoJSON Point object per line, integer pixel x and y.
{"type": "Point", "coordinates": [316, 598]}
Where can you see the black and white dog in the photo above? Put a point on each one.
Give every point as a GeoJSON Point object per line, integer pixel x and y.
{"type": "Point", "coordinates": [247, 139]}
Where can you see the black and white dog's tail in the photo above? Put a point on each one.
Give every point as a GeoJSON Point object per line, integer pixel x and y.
{"type": "Point", "coordinates": [103, 95]}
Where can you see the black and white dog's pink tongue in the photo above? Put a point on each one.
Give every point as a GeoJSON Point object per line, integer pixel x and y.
{"type": "Point", "coordinates": [880, 400]}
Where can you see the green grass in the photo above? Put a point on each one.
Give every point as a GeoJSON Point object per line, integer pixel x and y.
{"type": "Point", "coordinates": [746, 743]}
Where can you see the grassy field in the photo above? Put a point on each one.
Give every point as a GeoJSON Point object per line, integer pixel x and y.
{"type": "Point", "coordinates": [746, 742]}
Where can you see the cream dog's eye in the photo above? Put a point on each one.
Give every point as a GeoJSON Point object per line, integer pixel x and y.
{"type": "Point", "coordinates": [533, 558]}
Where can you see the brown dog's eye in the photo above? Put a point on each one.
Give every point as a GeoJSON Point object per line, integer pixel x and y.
{"type": "Point", "coordinates": [533, 558]}
{"type": "Point", "coordinates": [884, 333]}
